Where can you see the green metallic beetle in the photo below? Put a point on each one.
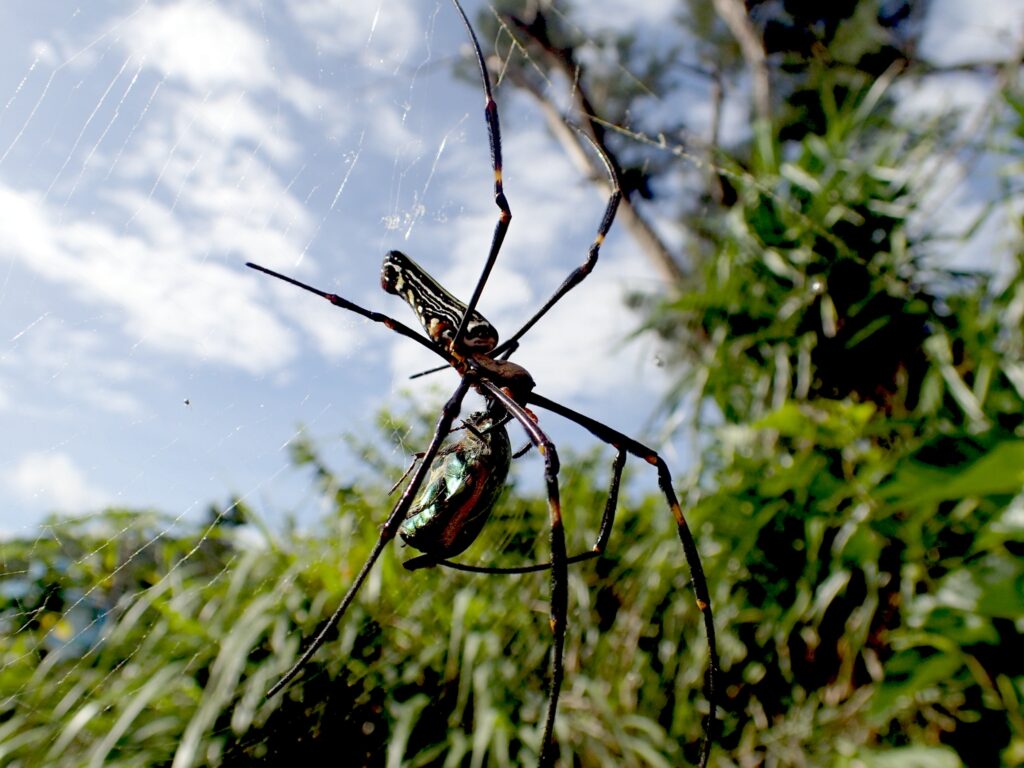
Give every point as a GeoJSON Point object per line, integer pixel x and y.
{"type": "Point", "coordinates": [458, 495]}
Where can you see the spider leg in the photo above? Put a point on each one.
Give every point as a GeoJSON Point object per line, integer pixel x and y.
{"type": "Point", "coordinates": [505, 215]}
{"type": "Point", "coordinates": [522, 451]}
{"type": "Point", "coordinates": [387, 532]}
{"type": "Point", "coordinates": [559, 570]}
{"type": "Point", "coordinates": [494, 138]}
{"type": "Point", "coordinates": [690, 551]}
{"type": "Point", "coordinates": [416, 458]}
{"type": "Point", "coordinates": [580, 273]}
{"type": "Point", "coordinates": [377, 317]}
{"type": "Point", "coordinates": [577, 276]}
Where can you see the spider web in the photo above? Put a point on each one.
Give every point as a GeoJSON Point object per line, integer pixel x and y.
{"type": "Point", "coordinates": [148, 382]}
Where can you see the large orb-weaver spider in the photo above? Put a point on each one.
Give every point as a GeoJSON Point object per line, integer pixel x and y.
{"type": "Point", "coordinates": [444, 506]}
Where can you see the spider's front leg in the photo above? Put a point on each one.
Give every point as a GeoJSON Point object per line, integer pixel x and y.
{"type": "Point", "coordinates": [494, 139]}
{"type": "Point", "coordinates": [579, 274]}
{"type": "Point", "coordinates": [369, 314]}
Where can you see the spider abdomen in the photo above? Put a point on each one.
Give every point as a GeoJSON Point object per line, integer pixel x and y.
{"type": "Point", "coordinates": [438, 311]}
{"type": "Point", "coordinates": [465, 481]}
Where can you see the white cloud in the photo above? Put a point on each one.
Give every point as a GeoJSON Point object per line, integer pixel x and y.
{"type": "Point", "coordinates": [577, 352]}
{"type": "Point", "coordinates": [191, 186]}
{"type": "Point", "coordinates": [929, 97]}
{"type": "Point", "coordinates": [961, 31]}
{"type": "Point", "coordinates": [955, 201]}
{"type": "Point", "coordinates": [202, 179]}
{"type": "Point", "coordinates": [605, 14]}
{"type": "Point", "coordinates": [383, 34]}
{"type": "Point", "coordinates": [198, 43]}
{"type": "Point", "coordinates": [53, 479]}
{"type": "Point", "coordinates": [44, 52]}
{"type": "Point", "coordinates": [551, 206]}
{"type": "Point", "coordinates": [335, 333]}
{"type": "Point", "coordinates": [314, 102]}
{"type": "Point", "coordinates": [390, 134]}
{"type": "Point", "coordinates": [207, 49]}
{"type": "Point", "coordinates": [231, 119]}
{"type": "Point", "coordinates": [53, 356]}
{"type": "Point", "coordinates": [169, 295]}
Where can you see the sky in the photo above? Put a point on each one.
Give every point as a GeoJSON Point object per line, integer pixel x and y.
{"type": "Point", "coordinates": [149, 149]}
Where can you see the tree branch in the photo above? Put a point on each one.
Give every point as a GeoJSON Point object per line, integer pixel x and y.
{"type": "Point", "coordinates": [563, 61]}
{"type": "Point", "coordinates": [734, 14]}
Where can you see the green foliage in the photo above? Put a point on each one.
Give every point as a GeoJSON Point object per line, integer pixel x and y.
{"type": "Point", "coordinates": [865, 492]}
{"type": "Point", "coordinates": [127, 636]}
{"type": "Point", "coordinates": [871, 596]}
{"type": "Point", "coordinates": [177, 633]}
{"type": "Point", "coordinates": [812, 289]}
{"type": "Point", "coordinates": [442, 668]}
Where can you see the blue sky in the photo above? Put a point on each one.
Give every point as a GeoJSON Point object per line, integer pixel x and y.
{"type": "Point", "coordinates": [149, 149]}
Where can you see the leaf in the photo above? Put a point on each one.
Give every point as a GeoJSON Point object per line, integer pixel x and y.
{"type": "Point", "coordinates": [991, 587]}
{"type": "Point", "coordinates": [1000, 471]}
{"type": "Point", "coordinates": [911, 757]}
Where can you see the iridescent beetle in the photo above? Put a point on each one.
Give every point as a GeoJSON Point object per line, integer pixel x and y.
{"type": "Point", "coordinates": [465, 480]}
{"type": "Point", "coordinates": [452, 490]}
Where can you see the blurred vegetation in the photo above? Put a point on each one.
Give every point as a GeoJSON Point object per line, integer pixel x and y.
{"type": "Point", "coordinates": [136, 643]}
{"type": "Point", "coordinates": [859, 501]}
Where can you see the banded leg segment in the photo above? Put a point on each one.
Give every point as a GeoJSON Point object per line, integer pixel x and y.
{"type": "Point", "coordinates": [579, 274]}
{"type": "Point", "coordinates": [505, 213]}
{"type": "Point", "coordinates": [690, 551]}
{"type": "Point", "coordinates": [369, 314]}
{"type": "Point", "coordinates": [559, 562]}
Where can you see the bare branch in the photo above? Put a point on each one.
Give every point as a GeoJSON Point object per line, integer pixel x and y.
{"type": "Point", "coordinates": [563, 61]}
{"type": "Point", "coordinates": [734, 14]}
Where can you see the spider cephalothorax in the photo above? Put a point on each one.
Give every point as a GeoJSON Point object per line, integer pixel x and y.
{"type": "Point", "coordinates": [451, 492]}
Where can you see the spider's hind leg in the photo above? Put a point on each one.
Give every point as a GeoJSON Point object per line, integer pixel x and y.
{"type": "Point", "coordinates": [690, 552]}
{"type": "Point", "coordinates": [559, 561]}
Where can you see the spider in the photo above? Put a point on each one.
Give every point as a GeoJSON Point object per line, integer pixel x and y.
{"type": "Point", "coordinates": [445, 504]}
